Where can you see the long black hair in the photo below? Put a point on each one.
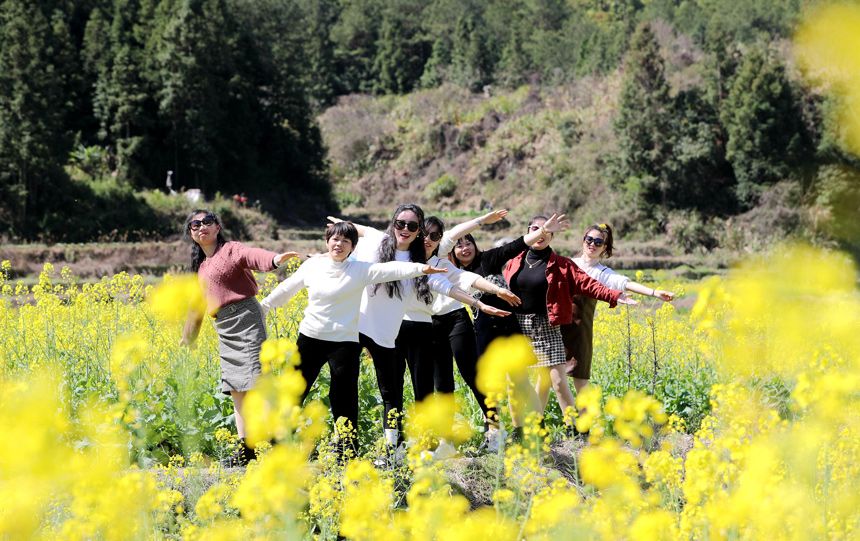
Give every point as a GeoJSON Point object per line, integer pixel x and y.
{"type": "Point", "coordinates": [197, 254]}
{"type": "Point", "coordinates": [452, 257]}
{"type": "Point", "coordinates": [388, 247]}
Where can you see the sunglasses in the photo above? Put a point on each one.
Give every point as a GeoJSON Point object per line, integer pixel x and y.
{"type": "Point", "coordinates": [435, 236]}
{"type": "Point", "coordinates": [194, 225]}
{"type": "Point", "coordinates": [400, 225]}
{"type": "Point", "coordinates": [591, 240]}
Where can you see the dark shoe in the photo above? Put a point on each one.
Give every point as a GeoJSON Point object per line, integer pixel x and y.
{"type": "Point", "coordinates": [517, 434]}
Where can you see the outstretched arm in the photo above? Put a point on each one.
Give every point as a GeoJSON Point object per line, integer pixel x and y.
{"type": "Point", "coordinates": [362, 229]}
{"type": "Point", "coordinates": [506, 295]}
{"type": "Point", "coordinates": [636, 287]}
{"type": "Point", "coordinates": [460, 295]}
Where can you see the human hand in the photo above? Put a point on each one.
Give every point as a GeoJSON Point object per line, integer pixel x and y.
{"type": "Point", "coordinates": [665, 296]}
{"type": "Point", "coordinates": [490, 310]}
{"type": "Point", "coordinates": [493, 217]}
{"type": "Point", "coordinates": [280, 259]}
{"type": "Point", "coordinates": [508, 296]}
{"type": "Point", "coordinates": [555, 223]}
{"type": "Point", "coordinates": [333, 219]}
{"type": "Point", "coordinates": [433, 270]}
{"type": "Point", "coordinates": [624, 299]}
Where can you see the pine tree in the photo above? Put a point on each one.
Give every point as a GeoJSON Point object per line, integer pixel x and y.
{"type": "Point", "coordinates": [766, 136]}
{"type": "Point", "coordinates": [645, 118]}
{"type": "Point", "coordinates": [32, 143]}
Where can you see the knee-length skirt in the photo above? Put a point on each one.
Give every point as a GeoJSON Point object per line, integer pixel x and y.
{"type": "Point", "coordinates": [546, 339]}
{"type": "Point", "coordinates": [241, 332]}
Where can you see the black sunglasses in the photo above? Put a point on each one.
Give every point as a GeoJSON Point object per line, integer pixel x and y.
{"type": "Point", "coordinates": [435, 236]}
{"type": "Point", "coordinates": [194, 225]}
{"type": "Point", "coordinates": [591, 240]}
{"type": "Point", "coordinates": [403, 224]}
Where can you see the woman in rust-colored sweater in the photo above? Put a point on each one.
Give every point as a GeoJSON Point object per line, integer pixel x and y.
{"type": "Point", "coordinates": [225, 273]}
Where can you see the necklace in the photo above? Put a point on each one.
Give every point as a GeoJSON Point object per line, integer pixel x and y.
{"type": "Point", "coordinates": [532, 265]}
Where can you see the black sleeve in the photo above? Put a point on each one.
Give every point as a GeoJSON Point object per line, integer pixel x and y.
{"type": "Point", "coordinates": [493, 260]}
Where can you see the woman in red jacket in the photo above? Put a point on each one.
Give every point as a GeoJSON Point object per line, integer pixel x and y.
{"type": "Point", "coordinates": [546, 283]}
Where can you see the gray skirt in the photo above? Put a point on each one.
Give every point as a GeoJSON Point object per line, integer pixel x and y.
{"type": "Point", "coordinates": [546, 340]}
{"type": "Point", "coordinates": [241, 331]}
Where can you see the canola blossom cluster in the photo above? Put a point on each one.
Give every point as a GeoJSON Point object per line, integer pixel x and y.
{"type": "Point", "coordinates": [117, 430]}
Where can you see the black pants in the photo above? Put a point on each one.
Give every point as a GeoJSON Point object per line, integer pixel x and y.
{"type": "Point", "coordinates": [454, 339]}
{"type": "Point", "coordinates": [414, 347]}
{"type": "Point", "coordinates": [343, 362]}
{"type": "Point", "coordinates": [488, 328]}
{"type": "Point", "coordinates": [389, 378]}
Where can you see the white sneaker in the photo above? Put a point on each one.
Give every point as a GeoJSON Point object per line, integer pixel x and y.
{"type": "Point", "coordinates": [494, 439]}
{"type": "Point", "coordinates": [444, 450]}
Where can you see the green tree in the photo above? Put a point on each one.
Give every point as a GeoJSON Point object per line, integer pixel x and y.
{"type": "Point", "coordinates": [761, 116]}
{"type": "Point", "coordinates": [402, 49]}
{"type": "Point", "coordinates": [644, 120]}
{"type": "Point", "coordinates": [355, 35]}
{"type": "Point", "coordinates": [33, 145]}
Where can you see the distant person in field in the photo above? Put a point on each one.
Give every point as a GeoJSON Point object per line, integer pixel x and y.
{"type": "Point", "coordinates": [328, 332]}
{"type": "Point", "coordinates": [384, 306]}
{"type": "Point", "coordinates": [547, 284]}
{"type": "Point", "coordinates": [596, 245]}
{"type": "Point", "coordinates": [224, 270]}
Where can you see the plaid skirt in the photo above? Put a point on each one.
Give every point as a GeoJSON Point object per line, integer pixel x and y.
{"type": "Point", "coordinates": [547, 342]}
{"type": "Point", "coordinates": [241, 332]}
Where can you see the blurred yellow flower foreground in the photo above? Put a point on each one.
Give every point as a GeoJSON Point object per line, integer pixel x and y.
{"type": "Point", "coordinates": [778, 457]}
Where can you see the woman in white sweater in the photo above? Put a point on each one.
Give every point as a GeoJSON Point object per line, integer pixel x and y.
{"type": "Point", "coordinates": [328, 331]}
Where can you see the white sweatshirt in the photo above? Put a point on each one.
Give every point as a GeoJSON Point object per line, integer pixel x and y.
{"type": "Point", "coordinates": [334, 293]}
{"type": "Point", "coordinates": [380, 315]}
{"type": "Point", "coordinates": [603, 274]}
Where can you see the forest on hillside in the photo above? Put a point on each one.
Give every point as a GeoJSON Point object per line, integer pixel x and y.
{"type": "Point", "coordinates": [100, 98]}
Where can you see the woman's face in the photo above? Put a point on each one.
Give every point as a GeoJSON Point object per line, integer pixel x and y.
{"type": "Point", "coordinates": [590, 242]}
{"type": "Point", "coordinates": [339, 247]}
{"type": "Point", "coordinates": [544, 241]}
{"type": "Point", "coordinates": [465, 252]}
{"type": "Point", "coordinates": [430, 245]}
{"type": "Point", "coordinates": [203, 229]}
{"type": "Point", "coordinates": [406, 227]}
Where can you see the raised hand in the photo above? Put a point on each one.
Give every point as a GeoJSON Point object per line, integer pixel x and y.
{"type": "Point", "coordinates": [280, 259]}
{"type": "Point", "coordinates": [507, 296]}
{"type": "Point", "coordinates": [434, 270]}
{"type": "Point", "coordinates": [493, 217]}
{"type": "Point", "coordinates": [333, 219]}
{"type": "Point", "coordinates": [556, 222]}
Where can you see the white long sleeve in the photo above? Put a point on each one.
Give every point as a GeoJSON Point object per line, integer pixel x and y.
{"type": "Point", "coordinates": [334, 293]}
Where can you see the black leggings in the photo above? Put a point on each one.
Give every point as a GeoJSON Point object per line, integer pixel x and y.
{"type": "Point", "coordinates": [488, 328]}
{"type": "Point", "coordinates": [342, 358]}
{"type": "Point", "coordinates": [414, 347]}
{"type": "Point", "coordinates": [454, 338]}
{"type": "Point", "coordinates": [388, 368]}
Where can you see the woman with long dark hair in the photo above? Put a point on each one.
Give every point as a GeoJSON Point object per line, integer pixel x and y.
{"type": "Point", "coordinates": [383, 306]}
{"type": "Point", "coordinates": [225, 273]}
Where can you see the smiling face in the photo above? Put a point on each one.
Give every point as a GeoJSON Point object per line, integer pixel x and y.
{"type": "Point", "coordinates": [204, 229]}
{"type": "Point", "coordinates": [339, 247]}
{"type": "Point", "coordinates": [544, 241]}
{"type": "Point", "coordinates": [408, 220]}
{"type": "Point", "coordinates": [465, 251]}
{"type": "Point", "coordinates": [589, 243]}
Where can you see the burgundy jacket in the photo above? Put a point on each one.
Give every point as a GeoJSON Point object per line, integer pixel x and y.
{"type": "Point", "coordinates": [564, 280]}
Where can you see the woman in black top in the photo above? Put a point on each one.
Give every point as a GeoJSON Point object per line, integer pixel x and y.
{"type": "Point", "coordinates": [489, 264]}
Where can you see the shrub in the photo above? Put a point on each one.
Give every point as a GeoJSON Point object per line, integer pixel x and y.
{"type": "Point", "coordinates": [444, 186]}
